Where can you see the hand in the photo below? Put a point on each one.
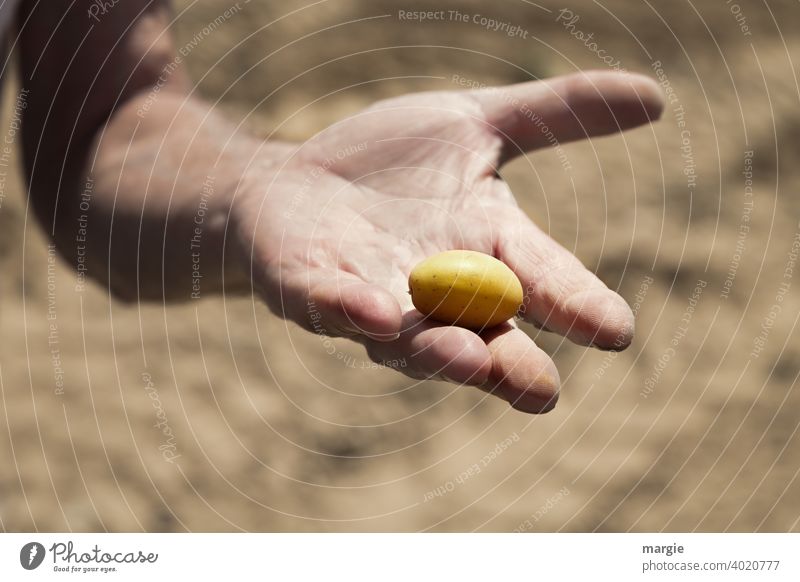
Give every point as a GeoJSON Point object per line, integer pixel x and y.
{"type": "Point", "coordinates": [348, 214]}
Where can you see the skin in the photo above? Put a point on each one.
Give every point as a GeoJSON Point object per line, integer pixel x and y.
{"type": "Point", "coordinates": [411, 176]}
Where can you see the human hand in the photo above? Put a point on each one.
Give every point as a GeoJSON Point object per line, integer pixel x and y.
{"type": "Point", "coordinates": [348, 214]}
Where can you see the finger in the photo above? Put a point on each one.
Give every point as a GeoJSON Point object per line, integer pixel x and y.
{"type": "Point", "coordinates": [592, 103]}
{"type": "Point", "coordinates": [336, 303]}
{"type": "Point", "coordinates": [560, 294]}
{"type": "Point", "coordinates": [522, 373]}
{"type": "Point", "coordinates": [431, 350]}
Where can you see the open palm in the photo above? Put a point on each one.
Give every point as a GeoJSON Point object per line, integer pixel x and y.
{"type": "Point", "coordinates": [352, 210]}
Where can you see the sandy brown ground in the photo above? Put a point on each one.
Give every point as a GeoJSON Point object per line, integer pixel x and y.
{"type": "Point", "coordinates": [274, 433]}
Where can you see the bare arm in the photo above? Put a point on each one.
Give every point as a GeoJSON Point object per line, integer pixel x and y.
{"type": "Point", "coordinates": [133, 178]}
{"type": "Point", "coordinates": [329, 229]}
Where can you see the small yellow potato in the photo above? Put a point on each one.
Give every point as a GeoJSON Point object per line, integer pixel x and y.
{"type": "Point", "coordinates": [465, 288]}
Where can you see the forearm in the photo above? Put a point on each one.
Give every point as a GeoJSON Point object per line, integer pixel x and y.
{"type": "Point", "coordinates": [132, 178]}
{"type": "Point", "coordinates": [144, 206]}
{"type": "Point", "coordinates": [164, 181]}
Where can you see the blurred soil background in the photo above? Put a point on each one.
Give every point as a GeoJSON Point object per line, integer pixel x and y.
{"type": "Point", "coordinates": [695, 427]}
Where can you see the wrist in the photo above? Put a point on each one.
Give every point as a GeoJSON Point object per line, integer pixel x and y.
{"type": "Point", "coordinates": [253, 214]}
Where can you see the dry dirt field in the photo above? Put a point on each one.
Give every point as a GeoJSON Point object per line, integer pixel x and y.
{"type": "Point", "coordinates": [695, 427]}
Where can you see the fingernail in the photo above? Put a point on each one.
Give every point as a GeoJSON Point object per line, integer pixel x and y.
{"type": "Point", "coordinates": [383, 337]}
{"type": "Point", "coordinates": [447, 378]}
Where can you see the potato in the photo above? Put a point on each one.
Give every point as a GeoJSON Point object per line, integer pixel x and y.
{"type": "Point", "coordinates": [465, 288]}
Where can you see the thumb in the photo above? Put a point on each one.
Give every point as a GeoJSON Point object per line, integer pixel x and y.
{"type": "Point", "coordinates": [544, 113]}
